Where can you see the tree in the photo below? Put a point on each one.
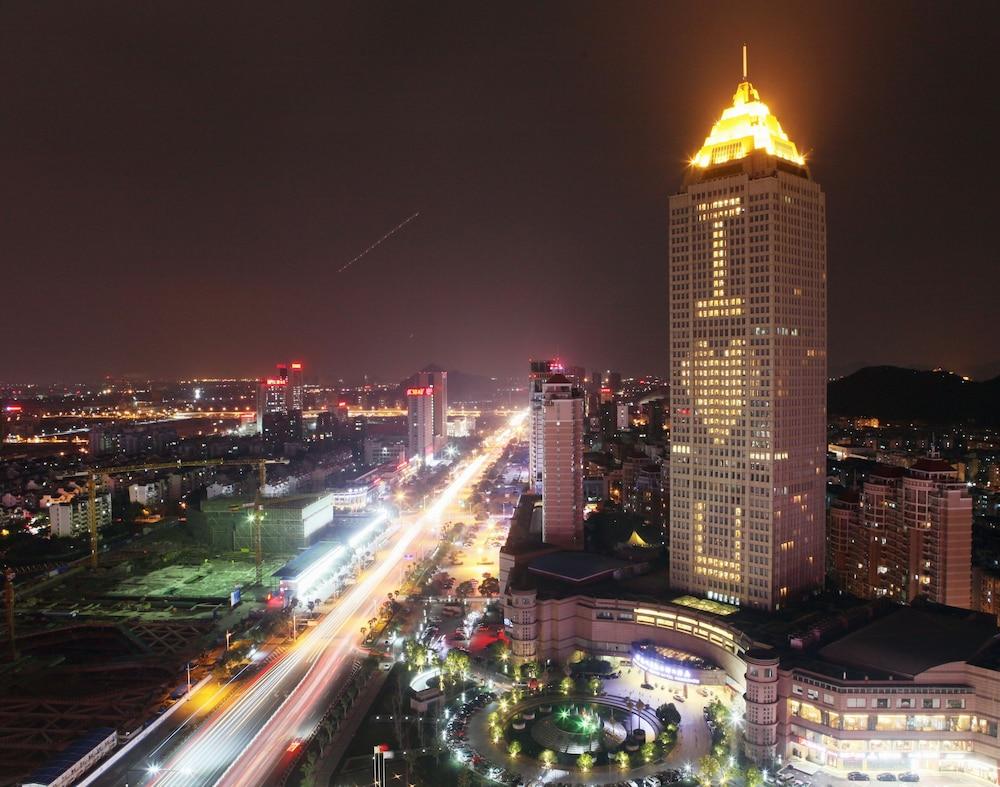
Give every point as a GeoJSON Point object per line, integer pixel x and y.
{"type": "Point", "coordinates": [456, 665]}
{"type": "Point", "coordinates": [668, 713]}
{"type": "Point", "coordinates": [594, 684]}
{"type": "Point", "coordinates": [753, 777]}
{"type": "Point", "coordinates": [567, 685]}
{"type": "Point", "coordinates": [648, 751]}
{"type": "Point", "coordinates": [489, 586]}
{"type": "Point", "coordinates": [514, 749]}
{"type": "Point", "coordinates": [585, 761]}
{"type": "Point", "coordinates": [623, 759]}
{"type": "Point", "coordinates": [309, 769]}
{"type": "Point", "coordinates": [708, 768]}
{"type": "Point", "coordinates": [548, 758]}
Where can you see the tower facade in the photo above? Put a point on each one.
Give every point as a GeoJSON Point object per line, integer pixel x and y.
{"type": "Point", "coordinates": [420, 421]}
{"type": "Point", "coordinates": [539, 372]}
{"type": "Point", "coordinates": [562, 463]}
{"type": "Point", "coordinates": [295, 393]}
{"type": "Point", "coordinates": [748, 365]}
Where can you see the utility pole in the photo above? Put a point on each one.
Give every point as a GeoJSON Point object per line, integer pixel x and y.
{"type": "Point", "coordinates": [8, 598]}
{"type": "Point", "coordinates": [259, 518]}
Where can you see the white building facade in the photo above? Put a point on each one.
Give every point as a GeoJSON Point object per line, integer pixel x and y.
{"type": "Point", "coordinates": [562, 463]}
{"type": "Point", "coordinates": [748, 366]}
{"type": "Point", "coordinates": [539, 372]}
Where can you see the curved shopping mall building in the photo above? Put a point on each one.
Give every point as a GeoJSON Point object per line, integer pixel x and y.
{"type": "Point", "coordinates": [846, 684]}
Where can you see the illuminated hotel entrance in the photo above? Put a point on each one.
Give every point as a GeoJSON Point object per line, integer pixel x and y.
{"type": "Point", "coordinates": [672, 664]}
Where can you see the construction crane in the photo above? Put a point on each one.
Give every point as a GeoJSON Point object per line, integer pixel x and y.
{"type": "Point", "coordinates": [262, 464]}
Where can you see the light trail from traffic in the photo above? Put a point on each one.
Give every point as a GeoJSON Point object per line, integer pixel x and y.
{"type": "Point", "coordinates": [244, 740]}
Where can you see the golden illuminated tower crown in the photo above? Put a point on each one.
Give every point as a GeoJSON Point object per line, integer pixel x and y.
{"type": "Point", "coordinates": [745, 127]}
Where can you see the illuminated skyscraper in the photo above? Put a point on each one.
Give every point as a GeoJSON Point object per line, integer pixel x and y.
{"type": "Point", "coordinates": [748, 365]}
{"type": "Point", "coordinates": [294, 394]}
{"type": "Point", "coordinates": [562, 463]}
{"type": "Point", "coordinates": [271, 398]}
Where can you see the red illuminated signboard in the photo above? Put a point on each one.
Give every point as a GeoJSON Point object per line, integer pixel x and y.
{"type": "Point", "coordinates": [275, 381]}
{"type": "Point", "coordinates": [428, 391]}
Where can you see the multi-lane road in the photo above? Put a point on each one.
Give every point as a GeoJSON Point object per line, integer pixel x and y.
{"type": "Point", "coordinates": [238, 734]}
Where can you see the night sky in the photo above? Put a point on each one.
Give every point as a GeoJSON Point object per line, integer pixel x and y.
{"type": "Point", "coordinates": [182, 181]}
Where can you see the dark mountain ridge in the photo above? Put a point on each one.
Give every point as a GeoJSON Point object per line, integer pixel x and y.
{"type": "Point", "coordinates": [933, 397]}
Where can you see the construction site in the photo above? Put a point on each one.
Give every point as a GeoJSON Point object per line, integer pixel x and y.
{"type": "Point", "coordinates": [113, 639]}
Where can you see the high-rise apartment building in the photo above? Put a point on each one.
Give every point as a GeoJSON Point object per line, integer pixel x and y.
{"type": "Point", "coordinates": [562, 463]}
{"type": "Point", "coordinates": [438, 380]}
{"type": "Point", "coordinates": [420, 421]}
{"type": "Point", "coordinates": [748, 365]}
{"type": "Point", "coordinates": [910, 536]}
{"type": "Point", "coordinates": [434, 381]}
{"type": "Point", "coordinates": [539, 372]}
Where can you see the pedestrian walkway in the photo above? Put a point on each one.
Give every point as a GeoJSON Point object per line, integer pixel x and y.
{"type": "Point", "coordinates": [328, 764]}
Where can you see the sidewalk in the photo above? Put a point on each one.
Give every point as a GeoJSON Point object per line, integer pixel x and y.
{"type": "Point", "coordinates": [326, 767]}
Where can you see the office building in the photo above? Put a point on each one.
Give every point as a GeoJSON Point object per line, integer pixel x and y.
{"type": "Point", "coordinates": [539, 372]}
{"type": "Point", "coordinates": [420, 422]}
{"type": "Point", "coordinates": [290, 523]}
{"type": "Point", "coordinates": [295, 389]}
{"type": "Point", "coordinates": [271, 398]}
{"type": "Point", "coordinates": [748, 365]}
{"type": "Point", "coordinates": [562, 463]}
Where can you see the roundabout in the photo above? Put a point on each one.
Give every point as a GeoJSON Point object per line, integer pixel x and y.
{"type": "Point", "coordinates": [580, 732]}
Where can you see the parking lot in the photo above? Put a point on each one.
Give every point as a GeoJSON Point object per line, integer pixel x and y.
{"type": "Point", "coordinates": [824, 778]}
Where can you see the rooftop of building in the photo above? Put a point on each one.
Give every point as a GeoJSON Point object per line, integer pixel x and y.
{"type": "Point", "coordinates": [306, 558]}
{"type": "Point", "coordinates": [577, 568]}
{"type": "Point", "coordinates": [290, 502]}
{"type": "Point", "coordinates": [932, 465]}
{"type": "Point", "coordinates": [70, 756]}
{"type": "Point", "coordinates": [912, 639]}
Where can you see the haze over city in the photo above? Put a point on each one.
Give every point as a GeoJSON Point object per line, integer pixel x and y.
{"type": "Point", "coordinates": [189, 178]}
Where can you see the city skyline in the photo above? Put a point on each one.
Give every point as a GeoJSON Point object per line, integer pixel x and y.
{"type": "Point", "coordinates": [222, 175]}
{"type": "Point", "coordinates": [512, 444]}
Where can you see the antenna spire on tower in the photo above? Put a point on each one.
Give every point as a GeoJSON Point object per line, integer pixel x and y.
{"type": "Point", "coordinates": [744, 62]}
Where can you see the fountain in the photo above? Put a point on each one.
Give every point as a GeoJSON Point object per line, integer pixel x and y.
{"type": "Point", "coordinates": [576, 728]}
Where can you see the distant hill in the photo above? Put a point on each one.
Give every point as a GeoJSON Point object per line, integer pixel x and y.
{"type": "Point", "coordinates": [933, 397]}
{"type": "Point", "coordinates": [464, 387]}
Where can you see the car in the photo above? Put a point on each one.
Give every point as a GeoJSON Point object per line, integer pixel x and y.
{"type": "Point", "coordinates": [886, 777]}
{"type": "Point", "coordinates": [858, 776]}
{"type": "Point", "coordinates": [909, 777]}
{"type": "Point", "coordinates": [679, 698]}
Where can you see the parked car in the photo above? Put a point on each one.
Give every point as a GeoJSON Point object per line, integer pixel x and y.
{"type": "Point", "coordinates": [909, 777]}
{"type": "Point", "coordinates": [858, 776]}
{"type": "Point", "coordinates": [886, 777]}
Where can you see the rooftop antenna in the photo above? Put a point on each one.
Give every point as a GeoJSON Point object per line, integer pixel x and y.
{"type": "Point", "coordinates": [744, 62]}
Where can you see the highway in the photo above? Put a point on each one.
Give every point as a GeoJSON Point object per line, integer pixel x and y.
{"type": "Point", "coordinates": [241, 732]}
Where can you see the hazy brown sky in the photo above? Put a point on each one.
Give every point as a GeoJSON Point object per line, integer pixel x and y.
{"type": "Point", "coordinates": [181, 181]}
